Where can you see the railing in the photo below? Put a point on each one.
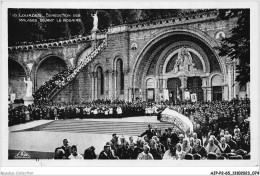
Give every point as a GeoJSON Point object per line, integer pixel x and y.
{"type": "Point", "coordinates": [62, 83]}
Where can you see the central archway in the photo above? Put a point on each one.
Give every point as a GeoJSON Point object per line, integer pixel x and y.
{"type": "Point", "coordinates": [161, 49]}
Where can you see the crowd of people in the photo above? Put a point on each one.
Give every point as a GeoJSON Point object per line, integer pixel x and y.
{"type": "Point", "coordinates": [41, 95]}
{"type": "Point", "coordinates": [221, 129]}
{"type": "Point", "coordinates": [94, 109]}
{"type": "Point", "coordinates": [170, 145]}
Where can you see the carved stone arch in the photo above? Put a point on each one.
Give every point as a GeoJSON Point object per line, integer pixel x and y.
{"type": "Point", "coordinates": [23, 65]}
{"type": "Point", "coordinates": [96, 65]}
{"type": "Point", "coordinates": [115, 57]}
{"type": "Point", "coordinates": [40, 59]}
{"type": "Point", "coordinates": [205, 38]}
{"type": "Point", "coordinates": [212, 75]}
{"type": "Point", "coordinates": [176, 46]}
{"type": "Point", "coordinates": [44, 56]}
{"type": "Point", "coordinates": [80, 52]}
{"type": "Point", "coordinates": [152, 78]}
{"type": "Point", "coordinates": [149, 61]}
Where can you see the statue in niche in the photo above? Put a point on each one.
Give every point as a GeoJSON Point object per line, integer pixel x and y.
{"type": "Point", "coordinates": [184, 61]}
{"type": "Point", "coordinates": [29, 87]}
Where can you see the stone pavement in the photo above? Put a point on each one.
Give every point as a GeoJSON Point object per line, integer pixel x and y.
{"type": "Point", "coordinates": [83, 133]}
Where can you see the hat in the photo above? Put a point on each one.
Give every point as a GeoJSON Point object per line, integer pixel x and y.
{"type": "Point", "coordinates": [181, 135]}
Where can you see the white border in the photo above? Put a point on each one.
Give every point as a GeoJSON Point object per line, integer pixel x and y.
{"type": "Point", "coordinates": [254, 91]}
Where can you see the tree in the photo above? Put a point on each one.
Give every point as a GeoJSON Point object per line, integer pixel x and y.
{"type": "Point", "coordinates": [237, 45]}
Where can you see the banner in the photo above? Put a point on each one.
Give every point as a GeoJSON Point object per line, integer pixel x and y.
{"type": "Point", "coordinates": [193, 97]}
{"type": "Point", "coordinates": [166, 94]}
{"type": "Point", "coordinates": [150, 94]}
{"type": "Point", "coordinates": [187, 95]}
{"type": "Point", "coordinates": [179, 120]}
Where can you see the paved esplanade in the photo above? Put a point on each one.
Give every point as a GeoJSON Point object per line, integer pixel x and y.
{"type": "Point", "coordinates": [83, 133]}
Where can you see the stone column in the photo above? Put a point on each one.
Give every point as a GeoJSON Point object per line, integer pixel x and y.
{"type": "Point", "coordinates": [183, 85]}
{"type": "Point", "coordinates": [96, 85]}
{"type": "Point", "coordinates": [126, 84]}
{"type": "Point", "coordinates": [209, 93]}
{"type": "Point", "coordinates": [110, 83]}
{"type": "Point", "coordinates": [115, 73]}
{"type": "Point", "coordinates": [92, 75]}
{"type": "Point", "coordinates": [225, 93]}
{"type": "Point", "coordinates": [164, 86]}
{"type": "Point", "coordinates": [130, 94]}
{"type": "Point", "coordinates": [106, 83]}
{"type": "Point", "coordinates": [157, 91]}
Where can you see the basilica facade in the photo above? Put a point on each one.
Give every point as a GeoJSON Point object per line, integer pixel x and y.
{"type": "Point", "coordinates": [169, 59]}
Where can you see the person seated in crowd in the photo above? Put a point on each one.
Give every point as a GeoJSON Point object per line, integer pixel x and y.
{"type": "Point", "coordinates": [224, 147]}
{"type": "Point", "coordinates": [170, 154]}
{"type": "Point", "coordinates": [66, 147]}
{"type": "Point", "coordinates": [199, 149]}
{"type": "Point", "coordinates": [106, 153]}
{"type": "Point", "coordinates": [75, 154]}
{"type": "Point", "coordinates": [131, 141]}
{"type": "Point", "coordinates": [212, 148]}
{"type": "Point", "coordinates": [59, 153]}
{"type": "Point", "coordinates": [186, 146]}
{"type": "Point", "coordinates": [245, 144]}
{"type": "Point", "coordinates": [231, 142]}
{"type": "Point", "coordinates": [160, 146]}
{"type": "Point", "coordinates": [139, 147]}
{"type": "Point", "coordinates": [145, 155]}
{"type": "Point", "coordinates": [154, 150]}
{"type": "Point", "coordinates": [181, 137]}
{"type": "Point", "coordinates": [123, 151]}
{"type": "Point", "coordinates": [131, 151]}
{"type": "Point", "coordinates": [174, 136]}
{"type": "Point", "coordinates": [207, 139]}
{"type": "Point", "coordinates": [179, 152]}
{"type": "Point", "coordinates": [90, 153]}
{"type": "Point", "coordinates": [191, 142]}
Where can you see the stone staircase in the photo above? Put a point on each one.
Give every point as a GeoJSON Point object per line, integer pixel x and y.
{"type": "Point", "coordinates": [101, 127]}
{"type": "Point", "coordinates": [62, 84]}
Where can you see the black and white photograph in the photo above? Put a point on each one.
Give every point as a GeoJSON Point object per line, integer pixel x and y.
{"type": "Point", "coordinates": [123, 85]}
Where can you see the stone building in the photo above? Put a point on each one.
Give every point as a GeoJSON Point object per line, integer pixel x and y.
{"type": "Point", "coordinates": [158, 60]}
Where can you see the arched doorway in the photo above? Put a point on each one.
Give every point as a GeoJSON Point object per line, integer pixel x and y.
{"type": "Point", "coordinates": [194, 85]}
{"type": "Point", "coordinates": [49, 67]}
{"type": "Point", "coordinates": [16, 75]}
{"type": "Point", "coordinates": [173, 85]}
{"type": "Point", "coordinates": [150, 89]}
{"type": "Point", "coordinates": [216, 83]}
